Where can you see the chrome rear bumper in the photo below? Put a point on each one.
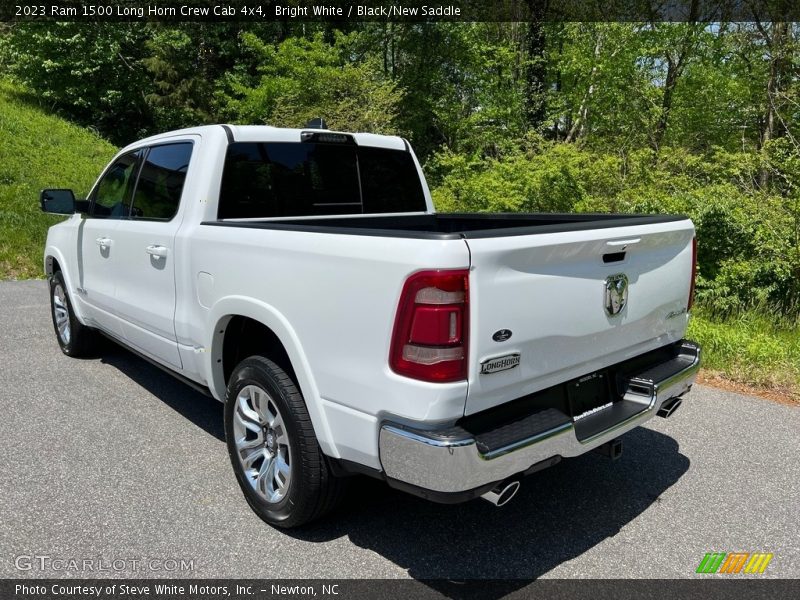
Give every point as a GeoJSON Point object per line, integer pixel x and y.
{"type": "Point", "coordinates": [450, 461]}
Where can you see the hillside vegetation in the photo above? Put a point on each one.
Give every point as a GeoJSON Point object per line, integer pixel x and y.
{"type": "Point", "coordinates": [38, 150]}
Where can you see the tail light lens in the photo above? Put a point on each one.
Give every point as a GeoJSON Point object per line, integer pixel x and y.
{"type": "Point", "coordinates": [431, 329]}
{"type": "Point", "coordinates": [694, 274]}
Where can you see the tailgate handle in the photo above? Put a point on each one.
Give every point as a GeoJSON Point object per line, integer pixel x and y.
{"type": "Point", "coordinates": [613, 257]}
{"type": "Point", "coordinates": [623, 243]}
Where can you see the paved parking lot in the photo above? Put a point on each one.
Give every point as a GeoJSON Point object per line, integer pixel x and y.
{"type": "Point", "coordinates": [110, 459]}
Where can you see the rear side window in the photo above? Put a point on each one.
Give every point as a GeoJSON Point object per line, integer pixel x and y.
{"type": "Point", "coordinates": [389, 180]}
{"type": "Point", "coordinates": [161, 179]}
{"type": "Point", "coordinates": [112, 197]}
{"type": "Point", "coordinates": [312, 178]}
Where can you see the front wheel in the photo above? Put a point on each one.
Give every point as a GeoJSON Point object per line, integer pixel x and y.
{"type": "Point", "coordinates": [74, 338]}
{"type": "Point", "coordinates": [273, 450]}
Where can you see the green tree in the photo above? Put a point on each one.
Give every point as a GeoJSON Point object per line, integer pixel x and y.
{"type": "Point", "coordinates": [188, 60]}
{"type": "Point", "coordinates": [300, 78]}
{"type": "Point", "coordinates": [91, 72]}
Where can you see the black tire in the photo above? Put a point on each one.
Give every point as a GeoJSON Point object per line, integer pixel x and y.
{"type": "Point", "coordinates": [312, 490]}
{"type": "Point", "coordinates": [78, 340]}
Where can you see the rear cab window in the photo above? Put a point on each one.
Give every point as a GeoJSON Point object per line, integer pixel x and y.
{"type": "Point", "coordinates": [294, 179]}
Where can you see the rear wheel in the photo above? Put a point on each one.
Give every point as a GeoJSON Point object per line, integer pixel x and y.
{"type": "Point", "coordinates": [272, 447]}
{"type": "Point", "coordinates": [74, 338]}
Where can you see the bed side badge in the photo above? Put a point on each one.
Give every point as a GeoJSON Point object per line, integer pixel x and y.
{"type": "Point", "coordinates": [500, 363]}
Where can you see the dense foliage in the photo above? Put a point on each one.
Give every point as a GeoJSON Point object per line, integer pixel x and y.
{"type": "Point", "coordinates": [648, 117]}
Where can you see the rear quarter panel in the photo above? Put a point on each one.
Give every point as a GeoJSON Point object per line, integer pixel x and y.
{"type": "Point", "coordinates": [331, 299]}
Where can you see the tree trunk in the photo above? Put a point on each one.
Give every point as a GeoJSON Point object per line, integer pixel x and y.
{"type": "Point", "coordinates": [673, 73]}
{"type": "Point", "coordinates": [675, 66]}
{"type": "Point", "coordinates": [385, 41]}
{"type": "Point", "coordinates": [535, 107]}
{"type": "Point", "coordinates": [579, 125]}
{"type": "Point", "coordinates": [778, 70]}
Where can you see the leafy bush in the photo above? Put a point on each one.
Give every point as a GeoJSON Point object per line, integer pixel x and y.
{"type": "Point", "coordinates": [519, 181]}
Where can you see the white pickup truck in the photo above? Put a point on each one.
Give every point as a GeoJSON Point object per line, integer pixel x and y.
{"type": "Point", "coordinates": [303, 277]}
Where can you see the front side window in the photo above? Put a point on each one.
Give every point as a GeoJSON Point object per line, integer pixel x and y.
{"type": "Point", "coordinates": [112, 196]}
{"type": "Point", "coordinates": [161, 179]}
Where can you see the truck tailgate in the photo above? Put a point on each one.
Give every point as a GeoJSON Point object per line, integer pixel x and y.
{"type": "Point", "coordinates": [544, 297]}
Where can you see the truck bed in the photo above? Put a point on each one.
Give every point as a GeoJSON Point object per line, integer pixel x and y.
{"type": "Point", "coordinates": [452, 225]}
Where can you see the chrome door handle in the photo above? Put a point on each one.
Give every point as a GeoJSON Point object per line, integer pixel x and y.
{"type": "Point", "coordinates": [157, 251]}
{"type": "Point", "coordinates": [623, 243]}
{"type": "Point", "coordinates": [103, 242]}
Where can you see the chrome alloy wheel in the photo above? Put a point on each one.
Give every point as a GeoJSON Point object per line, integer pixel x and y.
{"type": "Point", "coordinates": [262, 443]}
{"type": "Point", "coordinates": [61, 313]}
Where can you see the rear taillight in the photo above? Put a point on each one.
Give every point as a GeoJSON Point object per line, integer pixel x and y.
{"type": "Point", "coordinates": [694, 274]}
{"type": "Point", "coordinates": [430, 335]}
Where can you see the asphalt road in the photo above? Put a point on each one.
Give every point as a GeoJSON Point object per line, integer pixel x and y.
{"type": "Point", "coordinates": [109, 459]}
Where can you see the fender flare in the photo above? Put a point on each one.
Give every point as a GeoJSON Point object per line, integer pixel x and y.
{"type": "Point", "coordinates": [53, 253]}
{"type": "Point", "coordinates": [217, 320]}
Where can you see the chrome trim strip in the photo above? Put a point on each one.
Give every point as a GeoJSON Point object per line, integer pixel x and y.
{"type": "Point", "coordinates": [427, 440]}
{"type": "Point", "coordinates": [664, 389]}
{"type": "Point", "coordinates": [604, 434]}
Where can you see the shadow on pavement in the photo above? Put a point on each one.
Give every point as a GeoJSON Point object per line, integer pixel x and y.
{"type": "Point", "coordinates": [559, 513]}
{"type": "Point", "coordinates": [202, 410]}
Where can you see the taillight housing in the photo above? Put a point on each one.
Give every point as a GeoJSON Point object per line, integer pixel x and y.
{"type": "Point", "coordinates": [694, 275]}
{"type": "Point", "coordinates": [431, 328]}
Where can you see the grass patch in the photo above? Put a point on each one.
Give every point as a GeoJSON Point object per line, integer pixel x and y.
{"type": "Point", "coordinates": [752, 348]}
{"type": "Point", "coordinates": [38, 150]}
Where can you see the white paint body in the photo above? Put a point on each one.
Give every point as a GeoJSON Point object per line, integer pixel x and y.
{"type": "Point", "coordinates": [331, 300]}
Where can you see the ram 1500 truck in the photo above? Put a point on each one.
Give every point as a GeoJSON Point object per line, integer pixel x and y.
{"type": "Point", "coordinates": [303, 277]}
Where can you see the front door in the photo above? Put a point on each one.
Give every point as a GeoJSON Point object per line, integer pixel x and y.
{"type": "Point", "coordinates": [97, 253]}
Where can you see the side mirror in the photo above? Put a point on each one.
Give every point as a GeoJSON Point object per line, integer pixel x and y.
{"type": "Point", "coordinates": [57, 202]}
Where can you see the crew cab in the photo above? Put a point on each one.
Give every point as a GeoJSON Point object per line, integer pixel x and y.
{"type": "Point", "coordinates": [304, 278]}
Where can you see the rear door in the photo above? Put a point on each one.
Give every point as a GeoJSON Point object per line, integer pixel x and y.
{"type": "Point", "coordinates": [547, 308]}
{"type": "Point", "coordinates": [145, 249]}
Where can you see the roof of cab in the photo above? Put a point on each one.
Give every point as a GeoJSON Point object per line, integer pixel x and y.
{"type": "Point", "coordinates": [267, 133]}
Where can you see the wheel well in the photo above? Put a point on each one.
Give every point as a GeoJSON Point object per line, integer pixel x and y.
{"type": "Point", "coordinates": [51, 266]}
{"type": "Point", "coordinates": [245, 337]}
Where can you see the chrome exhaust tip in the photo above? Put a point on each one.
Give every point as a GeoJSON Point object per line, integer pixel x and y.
{"type": "Point", "coordinates": [669, 407]}
{"type": "Point", "coordinates": [502, 494]}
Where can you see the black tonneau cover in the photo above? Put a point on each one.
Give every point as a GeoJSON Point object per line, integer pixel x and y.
{"type": "Point", "coordinates": [453, 225]}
